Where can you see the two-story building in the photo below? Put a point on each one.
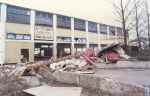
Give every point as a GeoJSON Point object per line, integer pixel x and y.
{"type": "Point", "coordinates": [37, 35]}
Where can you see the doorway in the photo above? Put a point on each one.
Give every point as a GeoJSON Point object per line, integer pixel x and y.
{"type": "Point", "coordinates": [24, 55]}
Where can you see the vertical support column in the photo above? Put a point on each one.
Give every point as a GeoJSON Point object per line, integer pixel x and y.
{"type": "Point", "coordinates": [99, 39]}
{"type": "Point", "coordinates": [55, 36]}
{"type": "Point", "coordinates": [87, 34]}
{"type": "Point", "coordinates": [3, 32]}
{"type": "Point", "coordinates": [108, 35]}
{"type": "Point", "coordinates": [116, 37]}
{"type": "Point", "coordinates": [72, 36]}
{"type": "Point", "coordinates": [32, 22]}
{"type": "Point", "coordinates": [32, 27]}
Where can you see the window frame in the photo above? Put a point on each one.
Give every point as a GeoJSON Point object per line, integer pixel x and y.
{"type": "Point", "coordinates": [18, 15]}
{"type": "Point", "coordinates": [91, 25]}
{"type": "Point", "coordinates": [112, 31]}
{"type": "Point", "coordinates": [120, 32]}
{"type": "Point", "coordinates": [42, 20]}
{"type": "Point", "coordinates": [104, 27]}
{"type": "Point", "coordinates": [79, 24]}
{"type": "Point", "coordinates": [63, 22]}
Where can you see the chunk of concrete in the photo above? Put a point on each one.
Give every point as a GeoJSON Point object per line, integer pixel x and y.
{"type": "Point", "coordinates": [67, 77]}
{"type": "Point", "coordinates": [31, 81]}
{"type": "Point", "coordinates": [89, 81]}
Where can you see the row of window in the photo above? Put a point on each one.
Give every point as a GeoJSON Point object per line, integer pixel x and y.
{"type": "Point", "coordinates": [22, 15]}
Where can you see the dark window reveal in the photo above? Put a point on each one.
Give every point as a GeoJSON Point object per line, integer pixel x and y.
{"type": "Point", "coordinates": [18, 15]}
{"type": "Point", "coordinates": [103, 29]}
{"type": "Point", "coordinates": [79, 24]}
{"type": "Point", "coordinates": [119, 32]}
{"type": "Point", "coordinates": [92, 27]}
{"type": "Point", "coordinates": [63, 22]}
{"type": "Point", "coordinates": [43, 18]}
{"type": "Point", "coordinates": [112, 30]}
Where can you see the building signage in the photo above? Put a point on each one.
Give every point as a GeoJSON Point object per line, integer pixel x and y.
{"type": "Point", "coordinates": [15, 36]}
{"type": "Point", "coordinates": [11, 36]}
{"type": "Point", "coordinates": [19, 36]}
{"type": "Point", "coordinates": [80, 40]}
{"type": "Point", "coordinates": [43, 33]}
{"type": "Point", "coordinates": [64, 39]}
{"type": "Point", "coordinates": [27, 37]}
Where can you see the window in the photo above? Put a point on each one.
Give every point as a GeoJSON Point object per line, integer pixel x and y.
{"type": "Point", "coordinates": [43, 18]}
{"type": "Point", "coordinates": [92, 27]}
{"type": "Point", "coordinates": [18, 15]}
{"type": "Point", "coordinates": [63, 22]}
{"type": "Point", "coordinates": [112, 30]}
{"type": "Point", "coordinates": [119, 32]}
{"type": "Point", "coordinates": [79, 24]}
{"type": "Point", "coordinates": [103, 29]}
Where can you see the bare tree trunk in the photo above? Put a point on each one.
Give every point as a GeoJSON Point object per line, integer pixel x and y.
{"type": "Point", "coordinates": [148, 23]}
{"type": "Point", "coordinates": [124, 24]}
{"type": "Point", "coordinates": [137, 26]}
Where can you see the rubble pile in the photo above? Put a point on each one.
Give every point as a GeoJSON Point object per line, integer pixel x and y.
{"type": "Point", "coordinates": [24, 76]}
{"type": "Point", "coordinates": [89, 59]}
{"type": "Point", "coordinates": [15, 78]}
{"type": "Point", "coordinates": [69, 64]}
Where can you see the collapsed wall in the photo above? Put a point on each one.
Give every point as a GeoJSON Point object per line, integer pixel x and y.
{"type": "Point", "coordinates": [96, 86]}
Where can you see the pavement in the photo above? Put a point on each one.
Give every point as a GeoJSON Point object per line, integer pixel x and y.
{"type": "Point", "coordinates": [129, 72]}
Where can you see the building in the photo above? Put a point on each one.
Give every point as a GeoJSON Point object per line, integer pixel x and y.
{"type": "Point", "coordinates": [37, 35]}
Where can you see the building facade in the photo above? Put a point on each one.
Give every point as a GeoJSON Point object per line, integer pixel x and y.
{"type": "Point", "coordinates": [37, 35]}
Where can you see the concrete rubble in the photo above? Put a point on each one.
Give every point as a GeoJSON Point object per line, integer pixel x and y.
{"type": "Point", "coordinates": [88, 71]}
{"type": "Point", "coordinates": [88, 60]}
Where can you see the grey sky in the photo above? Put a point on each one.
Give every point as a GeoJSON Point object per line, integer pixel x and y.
{"type": "Point", "coordinates": [96, 10]}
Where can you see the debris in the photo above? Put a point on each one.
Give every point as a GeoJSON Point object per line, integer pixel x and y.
{"type": "Point", "coordinates": [41, 73]}
{"type": "Point", "coordinates": [54, 91]}
{"type": "Point", "coordinates": [89, 56]}
{"type": "Point", "coordinates": [112, 53]}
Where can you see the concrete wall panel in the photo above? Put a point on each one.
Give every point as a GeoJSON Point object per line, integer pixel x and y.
{"type": "Point", "coordinates": [18, 28]}
{"type": "Point", "coordinates": [63, 32]}
{"type": "Point", "coordinates": [80, 34]}
{"type": "Point", "coordinates": [13, 53]}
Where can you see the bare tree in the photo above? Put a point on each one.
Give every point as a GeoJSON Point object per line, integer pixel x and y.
{"type": "Point", "coordinates": [148, 22]}
{"type": "Point", "coordinates": [137, 25]}
{"type": "Point", "coordinates": [123, 10]}
{"type": "Point", "coordinates": [138, 21]}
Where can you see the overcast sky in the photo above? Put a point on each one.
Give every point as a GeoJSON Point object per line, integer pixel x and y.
{"type": "Point", "coordinates": [96, 10]}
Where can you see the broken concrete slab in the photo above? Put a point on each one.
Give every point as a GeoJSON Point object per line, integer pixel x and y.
{"type": "Point", "coordinates": [89, 80]}
{"type": "Point", "coordinates": [66, 77]}
{"type": "Point", "coordinates": [54, 91]}
{"type": "Point", "coordinates": [31, 81]}
{"type": "Point", "coordinates": [102, 84]}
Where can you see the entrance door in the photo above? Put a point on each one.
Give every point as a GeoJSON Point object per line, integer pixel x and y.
{"type": "Point", "coordinates": [42, 51]}
{"type": "Point", "coordinates": [25, 55]}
